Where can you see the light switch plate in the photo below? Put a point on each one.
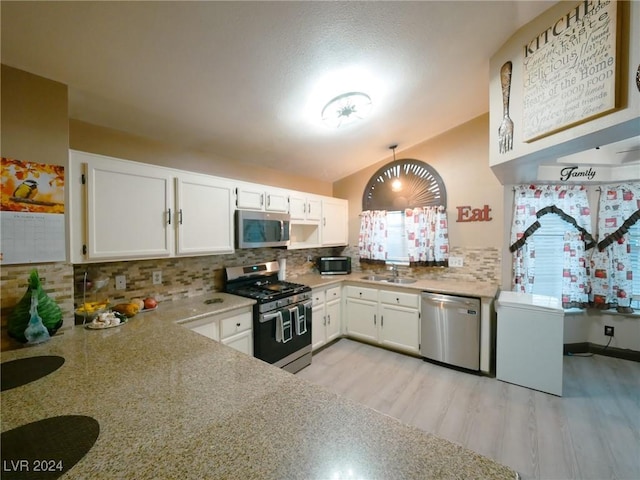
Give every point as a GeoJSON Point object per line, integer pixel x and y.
{"type": "Point", "coordinates": [121, 282]}
{"type": "Point", "coordinates": [456, 261]}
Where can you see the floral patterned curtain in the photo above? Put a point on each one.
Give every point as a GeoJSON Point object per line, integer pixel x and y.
{"type": "Point", "coordinates": [569, 202]}
{"type": "Point", "coordinates": [611, 274]}
{"type": "Point", "coordinates": [427, 236]}
{"type": "Point", "coordinates": [372, 241]}
{"type": "Point", "coordinates": [575, 277]}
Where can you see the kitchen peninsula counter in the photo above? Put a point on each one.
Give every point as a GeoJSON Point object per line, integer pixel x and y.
{"type": "Point", "coordinates": [174, 404]}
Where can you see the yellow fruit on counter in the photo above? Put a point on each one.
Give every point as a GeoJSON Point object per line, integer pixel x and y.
{"type": "Point", "coordinates": [128, 309]}
{"type": "Point", "coordinates": [139, 302]}
{"type": "Point", "coordinates": [92, 307]}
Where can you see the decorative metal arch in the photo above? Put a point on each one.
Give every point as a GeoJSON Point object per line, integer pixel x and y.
{"type": "Point", "coordinates": [405, 183]}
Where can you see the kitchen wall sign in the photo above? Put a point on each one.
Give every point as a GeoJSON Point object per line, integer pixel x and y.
{"type": "Point", "coordinates": [32, 212]}
{"type": "Point", "coordinates": [570, 69]}
{"type": "Point", "coordinates": [468, 214]}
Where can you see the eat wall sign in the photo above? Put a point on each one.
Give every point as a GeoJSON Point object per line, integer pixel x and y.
{"type": "Point", "coordinates": [468, 214]}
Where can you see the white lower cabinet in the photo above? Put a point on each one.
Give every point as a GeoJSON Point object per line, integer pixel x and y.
{"type": "Point", "coordinates": [384, 317]}
{"type": "Point", "coordinates": [326, 318]}
{"type": "Point", "coordinates": [233, 328]}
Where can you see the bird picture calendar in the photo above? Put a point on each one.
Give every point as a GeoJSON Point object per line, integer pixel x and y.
{"type": "Point", "coordinates": [32, 214]}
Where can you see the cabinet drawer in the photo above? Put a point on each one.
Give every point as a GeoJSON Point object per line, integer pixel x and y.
{"type": "Point", "coordinates": [362, 293]}
{"type": "Point", "coordinates": [410, 300]}
{"type": "Point", "coordinates": [236, 324]}
{"type": "Point", "coordinates": [318, 297]}
{"type": "Point", "coordinates": [333, 293]}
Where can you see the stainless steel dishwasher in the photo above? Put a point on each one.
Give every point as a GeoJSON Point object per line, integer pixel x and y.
{"type": "Point", "coordinates": [451, 330]}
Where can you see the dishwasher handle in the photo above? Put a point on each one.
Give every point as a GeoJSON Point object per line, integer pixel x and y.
{"type": "Point", "coordinates": [449, 300]}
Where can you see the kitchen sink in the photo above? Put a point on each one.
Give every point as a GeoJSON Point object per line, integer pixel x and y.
{"type": "Point", "coordinates": [376, 278]}
{"type": "Point", "coordinates": [401, 280]}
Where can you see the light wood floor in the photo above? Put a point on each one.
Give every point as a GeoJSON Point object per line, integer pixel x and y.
{"type": "Point", "coordinates": [592, 432]}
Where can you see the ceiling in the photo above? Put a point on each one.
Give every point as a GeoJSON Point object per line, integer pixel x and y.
{"type": "Point", "coordinates": [247, 81]}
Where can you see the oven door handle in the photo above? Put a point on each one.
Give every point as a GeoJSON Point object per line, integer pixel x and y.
{"type": "Point", "coordinates": [268, 317]}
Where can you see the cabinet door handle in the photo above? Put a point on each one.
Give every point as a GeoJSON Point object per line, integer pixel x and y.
{"type": "Point", "coordinates": [180, 216]}
{"type": "Point", "coordinates": [304, 208]}
{"type": "Point", "coordinates": [169, 217]}
{"type": "Point", "coordinates": [261, 199]}
{"type": "Point", "coordinates": [382, 320]}
{"type": "Point", "coordinates": [268, 200]}
{"type": "Point", "coordinates": [324, 320]}
{"type": "Point", "coordinates": [398, 300]}
{"type": "Point", "coordinates": [329, 319]}
{"type": "Point", "coordinates": [238, 324]}
{"type": "Point", "coordinates": [374, 319]}
{"type": "Point", "coordinates": [309, 208]}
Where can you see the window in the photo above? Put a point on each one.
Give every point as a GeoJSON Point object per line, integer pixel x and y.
{"type": "Point", "coordinates": [404, 184]}
{"type": "Point", "coordinates": [397, 251]}
{"type": "Point", "coordinates": [548, 240]}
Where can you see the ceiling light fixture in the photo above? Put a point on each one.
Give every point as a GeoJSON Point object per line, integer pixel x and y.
{"type": "Point", "coordinates": [346, 109]}
{"type": "Point", "coordinates": [396, 185]}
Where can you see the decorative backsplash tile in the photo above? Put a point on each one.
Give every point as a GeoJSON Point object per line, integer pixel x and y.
{"type": "Point", "coordinates": [185, 277]}
{"type": "Point", "coordinates": [479, 264]}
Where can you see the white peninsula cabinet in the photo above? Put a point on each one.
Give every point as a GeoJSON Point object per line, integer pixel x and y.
{"type": "Point", "coordinates": [233, 328]}
{"type": "Point", "coordinates": [259, 197]}
{"type": "Point", "coordinates": [128, 210]}
{"type": "Point", "coordinates": [385, 317]}
{"type": "Point", "coordinates": [326, 318]}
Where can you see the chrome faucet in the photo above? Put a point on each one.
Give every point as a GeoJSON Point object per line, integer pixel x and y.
{"type": "Point", "coordinates": [394, 270]}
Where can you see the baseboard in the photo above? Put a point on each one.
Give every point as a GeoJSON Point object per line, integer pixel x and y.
{"type": "Point", "coordinates": [587, 347]}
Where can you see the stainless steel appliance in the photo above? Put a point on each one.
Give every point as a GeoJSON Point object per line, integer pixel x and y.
{"type": "Point", "coordinates": [281, 317]}
{"type": "Point", "coordinates": [334, 265]}
{"type": "Point", "coordinates": [262, 229]}
{"type": "Point", "coordinates": [451, 330]}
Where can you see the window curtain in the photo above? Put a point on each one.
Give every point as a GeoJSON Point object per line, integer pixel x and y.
{"type": "Point", "coordinates": [611, 273]}
{"type": "Point", "coordinates": [427, 236]}
{"type": "Point", "coordinates": [575, 276]}
{"type": "Point", "coordinates": [569, 202]}
{"type": "Point", "coordinates": [372, 240]}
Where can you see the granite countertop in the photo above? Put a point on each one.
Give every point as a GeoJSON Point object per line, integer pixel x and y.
{"type": "Point", "coordinates": [174, 404]}
{"type": "Point", "coordinates": [452, 287]}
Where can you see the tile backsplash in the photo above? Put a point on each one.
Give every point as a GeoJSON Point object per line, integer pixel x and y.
{"type": "Point", "coordinates": [479, 264]}
{"type": "Point", "coordinates": [184, 277]}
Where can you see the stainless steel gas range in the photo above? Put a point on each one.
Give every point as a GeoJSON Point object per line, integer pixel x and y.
{"type": "Point", "coordinates": [281, 317]}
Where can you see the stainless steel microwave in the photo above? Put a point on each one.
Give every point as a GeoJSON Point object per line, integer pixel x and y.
{"type": "Point", "coordinates": [334, 265]}
{"type": "Point", "coordinates": [262, 229]}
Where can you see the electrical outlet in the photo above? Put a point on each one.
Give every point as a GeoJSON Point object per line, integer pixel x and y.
{"type": "Point", "coordinates": [608, 331]}
{"type": "Point", "coordinates": [121, 282]}
{"type": "Point", "coordinates": [157, 277]}
{"type": "Point", "coordinates": [456, 261]}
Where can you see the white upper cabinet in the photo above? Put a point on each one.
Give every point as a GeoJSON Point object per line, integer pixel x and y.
{"type": "Point", "coordinates": [260, 197]}
{"type": "Point", "coordinates": [128, 209]}
{"type": "Point", "coordinates": [305, 208]}
{"type": "Point", "coordinates": [335, 222]}
{"type": "Point", "coordinates": [204, 209]}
